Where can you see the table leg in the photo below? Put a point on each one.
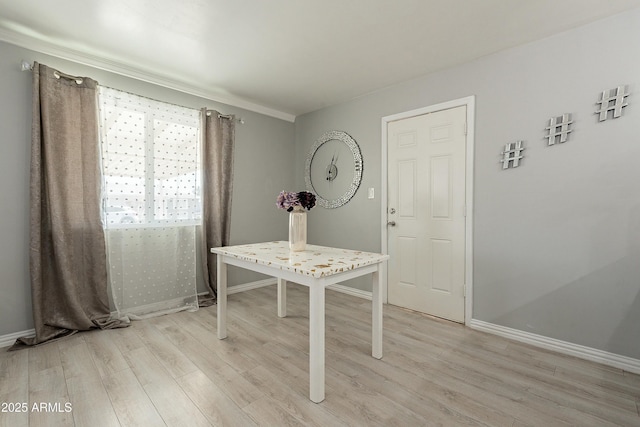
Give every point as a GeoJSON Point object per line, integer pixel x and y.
{"type": "Point", "coordinates": [376, 316]}
{"type": "Point", "coordinates": [316, 343]}
{"type": "Point", "coordinates": [222, 298]}
{"type": "Point", "coordinates": [282, 297]}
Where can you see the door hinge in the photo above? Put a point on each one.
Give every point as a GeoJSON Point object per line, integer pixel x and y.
{"type": "Point", "coordinates": [464, 290]}
{"type": "Point", "coordinates": [465, 128]}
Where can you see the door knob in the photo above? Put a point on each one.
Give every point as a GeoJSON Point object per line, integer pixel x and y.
{"type": "Point", "coordinates": [392, 223]}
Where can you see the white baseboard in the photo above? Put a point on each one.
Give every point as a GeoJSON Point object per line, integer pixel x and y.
{"type": "Point", "coordinates": [268, 282]}
{"type": "Point", "coordinates": [157, 308]}
{"type": "Point", "coordinates": [610, 359]}
{"type": "Point", "coordinates": [10, 339]}
{"type": "Point", "coordinates": [251, 285]}
{"type": "Point", "coordinates": [351, 291]}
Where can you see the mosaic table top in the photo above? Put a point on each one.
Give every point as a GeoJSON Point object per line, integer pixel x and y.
{"type": "Point", "coordinates": [314, 261]}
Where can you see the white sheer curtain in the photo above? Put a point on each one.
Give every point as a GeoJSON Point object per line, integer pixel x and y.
{"type": "Point", "coordinates": [152, 203]}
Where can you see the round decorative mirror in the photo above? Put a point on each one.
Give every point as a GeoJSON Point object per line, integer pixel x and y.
{"type": "Point", "coordinates": [333, 169]}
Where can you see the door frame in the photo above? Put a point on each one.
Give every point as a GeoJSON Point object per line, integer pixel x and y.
{"type": "Point", "coordinates": [469, 102]}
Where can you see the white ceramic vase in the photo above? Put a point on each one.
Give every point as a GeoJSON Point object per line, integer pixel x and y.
{"type": "Point", "coordinates": [297, 229]}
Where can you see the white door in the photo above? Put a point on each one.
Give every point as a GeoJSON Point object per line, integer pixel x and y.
{"type": "Point", "coordinates": [426, 211]}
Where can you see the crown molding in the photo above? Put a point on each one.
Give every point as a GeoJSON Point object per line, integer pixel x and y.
{"type": "Point", "coordinates": [48, 48]}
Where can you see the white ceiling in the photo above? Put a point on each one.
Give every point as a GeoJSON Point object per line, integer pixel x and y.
{"type": "Point", "coordinates": [286, 57]}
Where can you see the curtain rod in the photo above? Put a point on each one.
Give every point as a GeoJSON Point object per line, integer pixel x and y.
{"type": "Point", "coordinates": [220, 116]}
{"type": "Point", "coordinates": [26, 66]}
{"type": "Point", "coordinates": [58, 74]}
{"type": "Point", "coordinates": [225, 116]}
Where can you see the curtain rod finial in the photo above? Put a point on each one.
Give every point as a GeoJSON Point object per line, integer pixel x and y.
{"type": "Point", "coordinates": [25, 66]}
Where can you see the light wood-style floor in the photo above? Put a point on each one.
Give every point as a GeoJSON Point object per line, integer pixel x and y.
{"type": "Point", "coordinates": [172, 370]}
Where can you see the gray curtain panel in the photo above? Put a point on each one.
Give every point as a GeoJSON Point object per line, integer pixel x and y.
{"type": "Point", "coordinates": [67, 248]}
{"type": "Point", "coordinates": [217, 186]}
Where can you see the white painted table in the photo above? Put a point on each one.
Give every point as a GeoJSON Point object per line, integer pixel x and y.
{"type": "Point", "coordinates": [317, 267]}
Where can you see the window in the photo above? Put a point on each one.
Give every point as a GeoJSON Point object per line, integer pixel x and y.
{"type": "Point", "coordinates": [151, 161]}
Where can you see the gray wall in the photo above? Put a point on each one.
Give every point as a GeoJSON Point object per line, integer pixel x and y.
{"type": "Point", "coordinates": [264, 153]}
{"type": "Point", "coordinates": [557, 240]}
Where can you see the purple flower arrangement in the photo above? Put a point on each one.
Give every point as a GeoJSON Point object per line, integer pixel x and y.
{"type": "Point", "coordinates": [287, 200]}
